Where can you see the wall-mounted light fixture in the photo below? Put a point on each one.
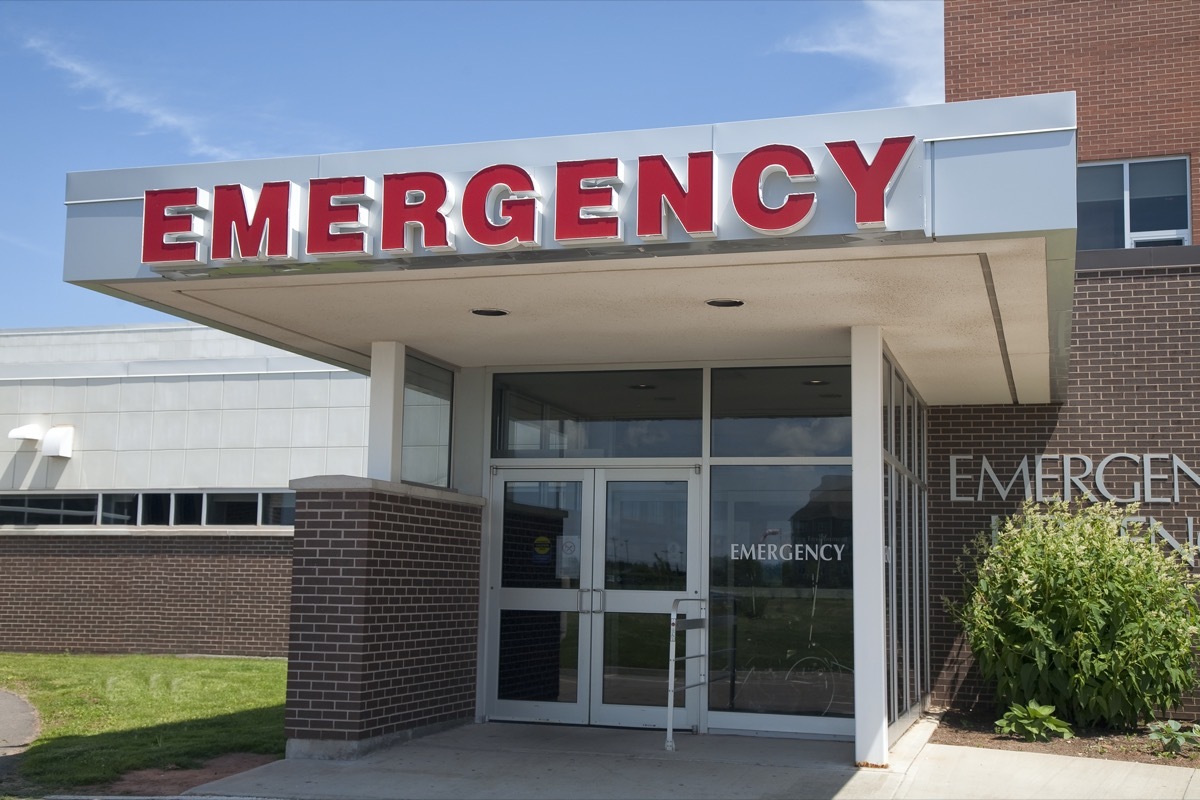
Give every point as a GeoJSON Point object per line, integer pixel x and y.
{"type": "Point", "coordinates": [59, 441]}
{"type": "Point", "coordinates": [32, 432]}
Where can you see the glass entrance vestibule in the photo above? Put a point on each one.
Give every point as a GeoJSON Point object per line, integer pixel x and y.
{"type": "Point", "coordinates": [615, 493]}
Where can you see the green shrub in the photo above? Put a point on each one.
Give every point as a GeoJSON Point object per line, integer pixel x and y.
{"type": "Point", "coordinates": [1064, 608]}
{"type": "Point", "coordinates": [1174, 737]}
{"type": "Point", "coordinates": [1035, 722]}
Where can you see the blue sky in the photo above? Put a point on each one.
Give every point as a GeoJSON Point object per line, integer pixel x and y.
{"type": "Point", "coordinates": [101, 85]}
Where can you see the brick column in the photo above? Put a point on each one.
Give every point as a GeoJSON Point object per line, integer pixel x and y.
{"type": "Point", "coordinates": [385, 614]}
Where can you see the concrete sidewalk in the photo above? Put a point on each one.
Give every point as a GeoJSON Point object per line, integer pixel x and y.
{"type": "Point", "coordinates": [18, 729]}
{"type": "Point", "coordinates": [499, 760]}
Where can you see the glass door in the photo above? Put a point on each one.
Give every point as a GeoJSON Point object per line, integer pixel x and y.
{"type": "Point", "coordinates": [645, 555]}
{"type": "Point", "coordinates": [588, 564]}
{"type": "Point", "coordinates": [540, 586]}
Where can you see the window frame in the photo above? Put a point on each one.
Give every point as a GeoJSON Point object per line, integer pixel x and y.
{"type": "Point", "coordinates": [1135, 239]}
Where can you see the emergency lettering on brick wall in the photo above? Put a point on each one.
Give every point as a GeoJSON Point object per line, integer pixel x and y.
{"type": "Point", "coordinates": [1147, 479]}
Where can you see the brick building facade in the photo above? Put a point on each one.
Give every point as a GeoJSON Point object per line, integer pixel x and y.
{"type": "Point", "coordinates": [1135, 332]}
{"type": "Point", "coordinates": [1135, 356]}
{"type": "Point", "coordinates": [220, 593]}
{"type": "Point", "coordinates": [694, 384]}
{"type": "Point", "coordinates": [1129, 63]}
{"type": "Point", "coordinates": [161, 522]}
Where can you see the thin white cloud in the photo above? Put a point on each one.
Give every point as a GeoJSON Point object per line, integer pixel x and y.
{"type": "Point", "coordinates": [905, 38]}
{"type": "Point", "coordinates": [119, 97]}
{"type": "Point", "coordinates": [25, 244]}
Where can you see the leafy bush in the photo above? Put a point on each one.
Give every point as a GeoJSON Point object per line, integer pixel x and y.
{"type": "Point", "coordinates": [1065, 608]}
{"type": "Point", "coordinates": [1035, 722]}
{"type": "Point", "coordinates": [1174, 737]}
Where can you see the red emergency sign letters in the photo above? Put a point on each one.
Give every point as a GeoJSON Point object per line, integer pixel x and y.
{"type": "Point", "coordinates": [501, 207]}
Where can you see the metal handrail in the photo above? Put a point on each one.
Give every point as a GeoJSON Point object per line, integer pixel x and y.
{"type": "Point", "coordinates": [693, 623]}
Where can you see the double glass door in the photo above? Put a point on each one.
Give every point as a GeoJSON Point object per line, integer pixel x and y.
{"type": "Point", "coordinates": [585, 568]}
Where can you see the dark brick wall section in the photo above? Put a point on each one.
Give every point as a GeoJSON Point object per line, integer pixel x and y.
{"type": "Point", "coordinates": [385, 613]}
{"type": "Point", "coordinates": [1133, 387]}
{"type": "Point", "coordinates": [1133, 373]}
{"type": "Point", "coordinates": [211, 593]}
{"type": "Point", "coordinates": [1130, 62]}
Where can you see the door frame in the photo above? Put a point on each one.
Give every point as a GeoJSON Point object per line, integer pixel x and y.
{"type": "Point", "coordinates": [592, 600]}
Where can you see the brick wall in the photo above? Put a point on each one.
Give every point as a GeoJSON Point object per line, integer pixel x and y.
{"type": "Point", "coordinates": [385, 614]}
{"type": "Point", "coordinates": [219, 594]}
{"type": "Point", "coordinates": [1133, 387]}
{"type": "Point", "coordinates": [1131, 62]}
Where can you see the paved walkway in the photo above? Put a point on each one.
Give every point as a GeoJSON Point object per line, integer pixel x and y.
{"type": "Point", "coordinates": [18, 729]}
{"type": "Point", "coordinates": [500, 760]}
{"type": "Point", "coordinates": [529, 762]}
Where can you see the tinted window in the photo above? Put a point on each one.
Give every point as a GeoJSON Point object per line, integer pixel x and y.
{"type": "Point", "coordinates": [781, 411]}
{"type": "Point", "coordinates": [639, 414]}
{"type": "Point", "coordinates": [232, 509]}
{"type": "Point", "coordinates": [1101, 207]}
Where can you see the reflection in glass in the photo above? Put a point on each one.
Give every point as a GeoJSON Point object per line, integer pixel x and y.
{"type": "Point", "coordinates": [646, 535]}
{"type": "Point", "coordinates": [541, 544]}
{"type": "Point", "coordinates": [33, 509]}
{"type": "Point", "coordinates": [781, 411]}
{"type": "Point", "coordinates": [156, 509]}
{"type": "Point", "coordinates": [782, 591]}
{"type": "Point", "coordinates": [232, 509]}
{"type": "Point", "coordinates": [910, 431]}
{"type": "Point", "coordinates": [619, 414]}
{"type": "Point", "coordinates": [1101, 207]}
{"type": "Point", "coordinates": [279, 508]}
{"type": "Point", "coordinates": [899, 424]}
{"type": "Point", "coordinates": [886, 384]}
{"type": "Point", "coordinates": [1158, 195]}
{"type": "Point", "coordinates": [635, 668]}
{"type": "Point", "coordinates": [889, 589]}
{"type": "Point", "coordinates": [119, 509]}
{"type": "Point", "coordinates": [539, 656]}
{"type": "Point", "coordinates": [187, 508]}
{"type": "Point", "coordinates": [428, 391]}
{"type": "Point", "coordinates": [905, 578]}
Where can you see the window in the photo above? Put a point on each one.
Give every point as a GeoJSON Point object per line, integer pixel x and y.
{"type": "Point", "coordinates": [781, 411]}
{"type": "Point", "coordinates": [119, 509]}
{"type": "Point", "coordinates": [425, 454]}
{"type": "Point", "coordinates": [279, 509]}
{"type": "Point", "coordinates": [187, 509]}
{"type": "Point", "coordinates": [156, 508]}
{"type": "Point", "coordinates": [618, 414]}
{"type": "Point", "coordinates": [782, 590]}
{"type": "Point", "coordinates": [1133, 204]}
{"type": "Point", "coordinates": [231, 509]}
{"type": "Point", "coordinates": [48, 509]}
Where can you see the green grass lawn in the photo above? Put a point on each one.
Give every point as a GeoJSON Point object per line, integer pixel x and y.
{"type": "Point", "coordinates": [103, 716]}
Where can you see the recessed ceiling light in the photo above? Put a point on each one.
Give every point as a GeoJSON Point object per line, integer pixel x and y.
{"type": "Point", "coordinates": [642, 387]}
{"type": "Point", "coordinates": [816, 382]}
{"type": "Point", "coordinates": [725, 302]}
{"type": "Point", "coordinates": [489, 312]}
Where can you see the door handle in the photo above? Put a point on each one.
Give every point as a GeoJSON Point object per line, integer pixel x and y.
{"type": "Point", "coordinates": [582, 607]}
{"type": "Point", "coordinates": [599, 592]}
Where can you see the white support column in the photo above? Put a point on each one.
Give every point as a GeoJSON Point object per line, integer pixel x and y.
{"type": "Point", "coordinates": [870, 622]}
{"type": "Point", "coordinates": [385, 425]}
